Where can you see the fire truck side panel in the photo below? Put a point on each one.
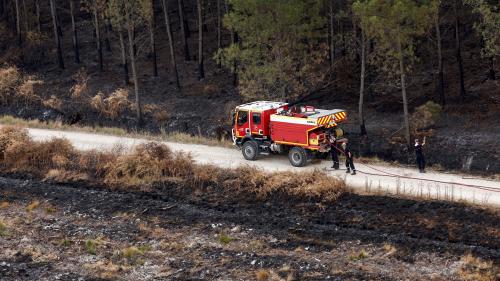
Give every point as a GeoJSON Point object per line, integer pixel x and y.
{"type": "Point", "coordinates": [293, 132]}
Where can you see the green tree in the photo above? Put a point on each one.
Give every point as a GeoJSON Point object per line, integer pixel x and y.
{"type": "Point", "coordinates": [395, 25]}
{"type": "Point", "coordinates": [488, 27]}
{"type": "Point", "coordinates": [132, 14]}
{"type": "Point", "coordinates": [279, 48]}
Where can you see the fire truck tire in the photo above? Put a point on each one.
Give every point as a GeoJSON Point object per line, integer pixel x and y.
{"type": "Point", "coordinates": [298, 157]}
{"type": "Point", "coordinates": [250, 150]}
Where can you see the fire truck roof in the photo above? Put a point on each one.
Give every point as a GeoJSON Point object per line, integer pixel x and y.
{"type": "Point", "coordinates": [261, 105]}
{"type": "Point", "coordinates": [323, 112]}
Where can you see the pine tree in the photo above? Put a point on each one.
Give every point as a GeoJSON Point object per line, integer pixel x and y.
{"type": "Point", "coordinates": [53, 11]}
{"type": "Point", "coordinates": [488, 27]}
{"type": "Point", "coordinates": [132, 14]}
{"type": "Point", "coordinates": [395, 24]}
{"type": "Point", "coordinates": [170, 43]}
{"type": "Point", "coordinates": [75, 32]}
{"type": "Point", "coordinates": [201, 68]}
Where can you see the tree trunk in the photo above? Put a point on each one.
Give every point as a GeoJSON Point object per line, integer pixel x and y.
{"type": "Point", "coordinates": [124, 56]}
{"type": "Point", "coordinates": [130, 31]}
{"type": "Point", "coordinates": [184, 31]}
{"type": "Point", "coordinates": [332, 41]}
{"type": "Point", "coordinates": [98, 38]}
{"type": "Point", "coordinates": [362, 127]}
{"type": "Point", "coordinates": [75, 34]}
{"type": "Point", "coordinates": [219, 35]}
{"type": "Point", "coordinates": [403, 91]}
{"type": "Point", "coordinates": [56, 34]}
{"type": "Point", "coordinates": [152, 28]}
{"type": "Point", "coordinates": [38, 16]}
{"type": "Point", "coordinates": [107, 27]}
{"type": "Point", "coordinates": [26, 22]}
{"type": "Point", "coordinates": [491, 74]}
{"type": "Point", "coordinates": [171, 44]}
{"type": "Point", "coordinates": [18, 24]}
{"type": "Point", "coordinates": [2, 8]}
{"type": "Point", "coordinates": [442, 100]}
{"type": "Point", "coordinates": [459, 52]}
{"type": "Point", "coordinates": [201, 70]}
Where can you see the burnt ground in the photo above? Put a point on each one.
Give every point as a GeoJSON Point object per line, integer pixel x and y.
{"type": "Point", "coordinates": [66, 232]}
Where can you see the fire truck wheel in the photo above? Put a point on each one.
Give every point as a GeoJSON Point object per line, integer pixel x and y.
{"type": "Point", "coordinates": [298, 157]}
{"type": "Point", "coordinates": [250, 150]}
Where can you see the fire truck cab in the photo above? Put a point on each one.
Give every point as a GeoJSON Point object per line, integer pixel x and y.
{"type": "Point", "coordinates": [265, 127]}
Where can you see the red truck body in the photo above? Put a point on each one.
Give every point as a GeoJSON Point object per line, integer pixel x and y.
{"type": "Point", "coordinates": [274, 127]}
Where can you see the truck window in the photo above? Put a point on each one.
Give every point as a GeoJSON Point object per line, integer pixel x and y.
{"type": "Point", "coordinates": [256, 118]}
{"type": "Point", "coordinates": [233, 118]}
{"type": "Point", "coordinates": [242, 118]}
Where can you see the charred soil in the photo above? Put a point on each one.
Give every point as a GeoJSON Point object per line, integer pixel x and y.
{"type": "Point", "coordinates": [172, 234]}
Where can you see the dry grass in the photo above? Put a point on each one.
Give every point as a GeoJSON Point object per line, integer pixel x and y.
{"type": "Point", "coordinates": [474, 268]}
{"type": "Point", "coordinates": [10, 79]}
{"type": "Point", "coordinates": [151, 164]}
{"type": "Point", "coordinates": [53, 102]}
{"type": "Point", "coordinates": [80, 89]}
{"type": "Point", "coordinates": [262, 275]}
{"type": "Point", "coordinates": [112, 106]}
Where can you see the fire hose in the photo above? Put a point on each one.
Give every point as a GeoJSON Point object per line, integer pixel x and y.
{"type": "Point", "coordinates": [387, 174]}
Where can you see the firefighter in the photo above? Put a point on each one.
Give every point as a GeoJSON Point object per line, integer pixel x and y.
{"type": "Point", "coordinates": [334, 152]}
{"type": "Point", "coordinates": [349, 163]}
{"type": "Point", "coordinates": [420, 155]}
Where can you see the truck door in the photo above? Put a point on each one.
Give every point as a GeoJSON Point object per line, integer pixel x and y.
{"type": "Point", "coordinates": [242, 123]}
{"type": "Point", "coordinates": [256, 123]}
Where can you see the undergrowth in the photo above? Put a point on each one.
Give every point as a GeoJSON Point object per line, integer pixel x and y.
{"type": "Point", "coordinates": [151, 164]}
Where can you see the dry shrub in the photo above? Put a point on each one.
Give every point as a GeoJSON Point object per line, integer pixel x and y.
{"type": "Point", "coordinates": [10, 79]}
{"type": "Point", "coordinates": [97, 103]}
{"type": "Point", "coordinates": [161, 116]}
{"type": "Point", "coordinates": [426, 115]}
{"type": "Point", "coordinates": [11, 135]}
{"type": "Point", "coordinates": [53, 102]}
{"type": "Point", "coordinates": [262, 275]}
{"type": "Point", "coordinates": [314, 185]}
{"type": "Point", "coordinates": [152, 163]}
{"type": "Point", "coordinates": [149, 163]}
{"type": "Point", "coordinates": [93, 163]}
{"type": "Point", "coordinates": [26, 91]}
{"type": "Point", "coordinates": [150, 108]}
{"type": "Point", "coordinates": [474, 268]}
{"type": "Point", "coordinates": [18, 153]}
{"type": "Point", "coordinates": [112, 106]}
{"type": "Point", "coordinates": [80, 88]}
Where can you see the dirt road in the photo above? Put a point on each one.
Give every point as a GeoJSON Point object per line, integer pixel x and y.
{"type": "Point", "coordinates": [371, 178]}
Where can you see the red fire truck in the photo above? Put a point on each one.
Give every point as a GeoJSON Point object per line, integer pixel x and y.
{"type": "Point", "coordinates": [264, 127]}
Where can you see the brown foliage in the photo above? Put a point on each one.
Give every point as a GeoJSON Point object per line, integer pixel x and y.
{"type": "Point", "coordinates": [153, 163]}
{"type": "Point", "coordinates": [10, 79]}
{"type": "Point", "coordinates": [53, 102]}
{"type": "Point", "coordinates": [112, 106]}
{"type": "Point", "coordinates": [80, 88]}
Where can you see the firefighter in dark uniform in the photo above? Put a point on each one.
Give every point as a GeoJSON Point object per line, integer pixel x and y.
{"type": "Point", "coordinates": [334, 151]}
{"type": "Point", "coordinates": [420, 155]}
{"type": "Point", "coordinates": [349, 163]}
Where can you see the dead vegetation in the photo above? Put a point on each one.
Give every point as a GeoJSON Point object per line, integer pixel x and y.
{"type": "Point", "coordinates": [17, 88]}
{"type": "Point", "coordinates": [150, 165]}
{"type": "Point", "coordinates": [474, 268]}
{"type": "Point", "coordinates": [113, 105]}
